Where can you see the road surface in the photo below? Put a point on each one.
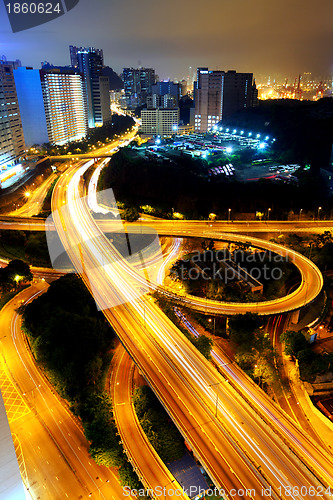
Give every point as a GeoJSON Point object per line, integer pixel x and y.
{"type": "Point", "coordinates": [237, 449]}
{"type": "Point", "coordinates": [56, 464]}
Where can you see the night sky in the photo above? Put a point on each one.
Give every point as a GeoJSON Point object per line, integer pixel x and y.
{"type": "Point", "coordinates": [267, 37]}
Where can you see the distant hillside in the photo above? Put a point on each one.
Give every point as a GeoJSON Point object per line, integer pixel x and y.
{"type": "Point", "coordinates": [116, 82]}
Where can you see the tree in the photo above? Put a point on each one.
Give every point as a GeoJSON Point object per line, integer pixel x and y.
{"type": "Point", "coordinates": [17, 267]}
{"type": "Point", "coordinates": [111, 457]}
{"type": "Point", "coordinates": [129, 478]}
{"type": "Point", "coordinates": [204, 344]}
{"type": "Point", "coordinates": [15, 272]}
{"type": "Point", "coordinates": [294, 342]}
{"type": "Point", "coordinates": [130, 214]}
{"type": "Point", "coordinates": [243, 327]}
{"type": "Point", "coordinates": [160, 431]}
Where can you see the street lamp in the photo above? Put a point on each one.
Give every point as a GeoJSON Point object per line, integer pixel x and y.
{"type": "Point", "coordinates": [17, 279]}
{"type": "Point", "coordinates": [210, 320]}
{"type": "Point", "coordinates": [269, 210]}
{"type": "Point", "coordinates": [300, 213]}
{"type": "Point", "coordinates": [229, 210]}
{"type": "Point", "coordinates": [217, 396]}
{"type": "Point", "coordinates": [318, 215]}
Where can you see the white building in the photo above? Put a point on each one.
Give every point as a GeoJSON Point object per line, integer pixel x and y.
{"type": "Point", "coordinates": [159, 121]}
{"type": "Point", "coordinates": [65, 106]}
{"type": "Point", "coordinates": [220, 94]}
{"type": "Point", "coordinates": [12, 145]}
{"type": "Point", "coordinates": [53, 105]}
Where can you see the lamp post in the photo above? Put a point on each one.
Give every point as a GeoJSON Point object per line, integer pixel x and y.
{"type": "Point", "coordinates": [210, 320]}
{"type": "Point", "coordinates": [229, 210]}
{"type": "Point", "coordinates": [17, 279]}
{"type": "Point", "coordinates": [318, 215]}
{"type": "Point", "coordinates": [217, 396]}
{"type": "Point", "coordinates": [300, 213]}
{"type": "Point", "coordinates": [268, 212]}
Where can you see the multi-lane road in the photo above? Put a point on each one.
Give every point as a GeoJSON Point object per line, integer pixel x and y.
{"type": "Point", "coordinates": [56, 464]}
{"type": "Point", "coordinates": [237, 449]}
{"type": "Point", "coordinates": [135, 442]}
{"type": "Point", "coordinates": [18, 221]}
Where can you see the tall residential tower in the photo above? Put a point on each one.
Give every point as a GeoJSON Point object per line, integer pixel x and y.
{"type": "Point", "coordinates": [138, 85]}
{"type": "Point", "coordinates": [219, 94]}
{"type": "Point", "coordinates": [90, 63]}
{"type": "Point", "coordinates": [53, 105]}
{"type": "Point", "coordinates": [12, 145]}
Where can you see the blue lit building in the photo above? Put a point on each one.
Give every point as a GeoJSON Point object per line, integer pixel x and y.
{"type": "Point", "coordinates": [30, 96]}
{"type": "Point", "coordinates": [90, 63]}
{"type": "Point", "coordinates": [167, 88]}
{"type": "Point", "coordinates": [138, 84]}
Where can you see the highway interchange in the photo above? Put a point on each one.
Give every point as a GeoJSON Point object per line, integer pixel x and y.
{"type": "Point", "coordinates": [238, 449]}
{"type": "Point", "coordinates": [244, 446]}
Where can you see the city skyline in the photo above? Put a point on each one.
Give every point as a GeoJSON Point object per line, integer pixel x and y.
{"type": "Point", "coordinates": [282, 39]}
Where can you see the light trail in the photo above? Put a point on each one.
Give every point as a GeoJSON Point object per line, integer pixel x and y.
{"type": "Point", "coordinates": [179, 374]}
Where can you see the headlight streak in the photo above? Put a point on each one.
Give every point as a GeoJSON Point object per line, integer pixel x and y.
{"type": "Point", "coordinates": [122, 275]}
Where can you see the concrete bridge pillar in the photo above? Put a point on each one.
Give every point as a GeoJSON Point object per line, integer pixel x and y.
{"type": "Point", "coordinates": [295, 316]}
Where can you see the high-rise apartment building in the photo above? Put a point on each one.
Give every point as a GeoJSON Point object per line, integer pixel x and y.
{"type": "Point", "coordinates": [162, 101]}
{"type": "Point", "coordinates": [65, 110]}
{"type": "Point", "coordinates": [7, 153]}
{"type": "Point", "coordinates": [167, 88]}
{"type": "Point", "coordinates": [219, 94]}
{"type": "Point", "coordinates": [162, 122]}
{"type": "Point", "coordinates": [73, 50]}
{"type": "Point", "coordinates": [12, 145]}
{"type": "Point", "coordinates": [96, 87]}
{"type": "Point", "coordinates": [138, 84]}
{"type": "Point", "coordinates": [53, 105]}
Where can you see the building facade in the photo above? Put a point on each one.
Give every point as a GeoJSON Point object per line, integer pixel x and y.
{"type": "Point", "coordinates": [162, 122]}
{"type": "Point", "coordinates": [53, 105]}
{"type": "Point", "coordinates": [96, 87]}
{"type": "Point", "coordinates": [73, 50]}
{"type": "Point", "coordinates": [219, 94]}
{"type": "Point", "coordinates": [167, 88]}
{"type": "Point", "coordinates": [138, 85]}
{"type": "Point", "coordinates": [65, 107]}
{"type": "Point", "coordinates": [12, 144]}
{"type": "Point", "coordinates": [31, 101]}
{"type": "Point", "coordinates": [162, 101]}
